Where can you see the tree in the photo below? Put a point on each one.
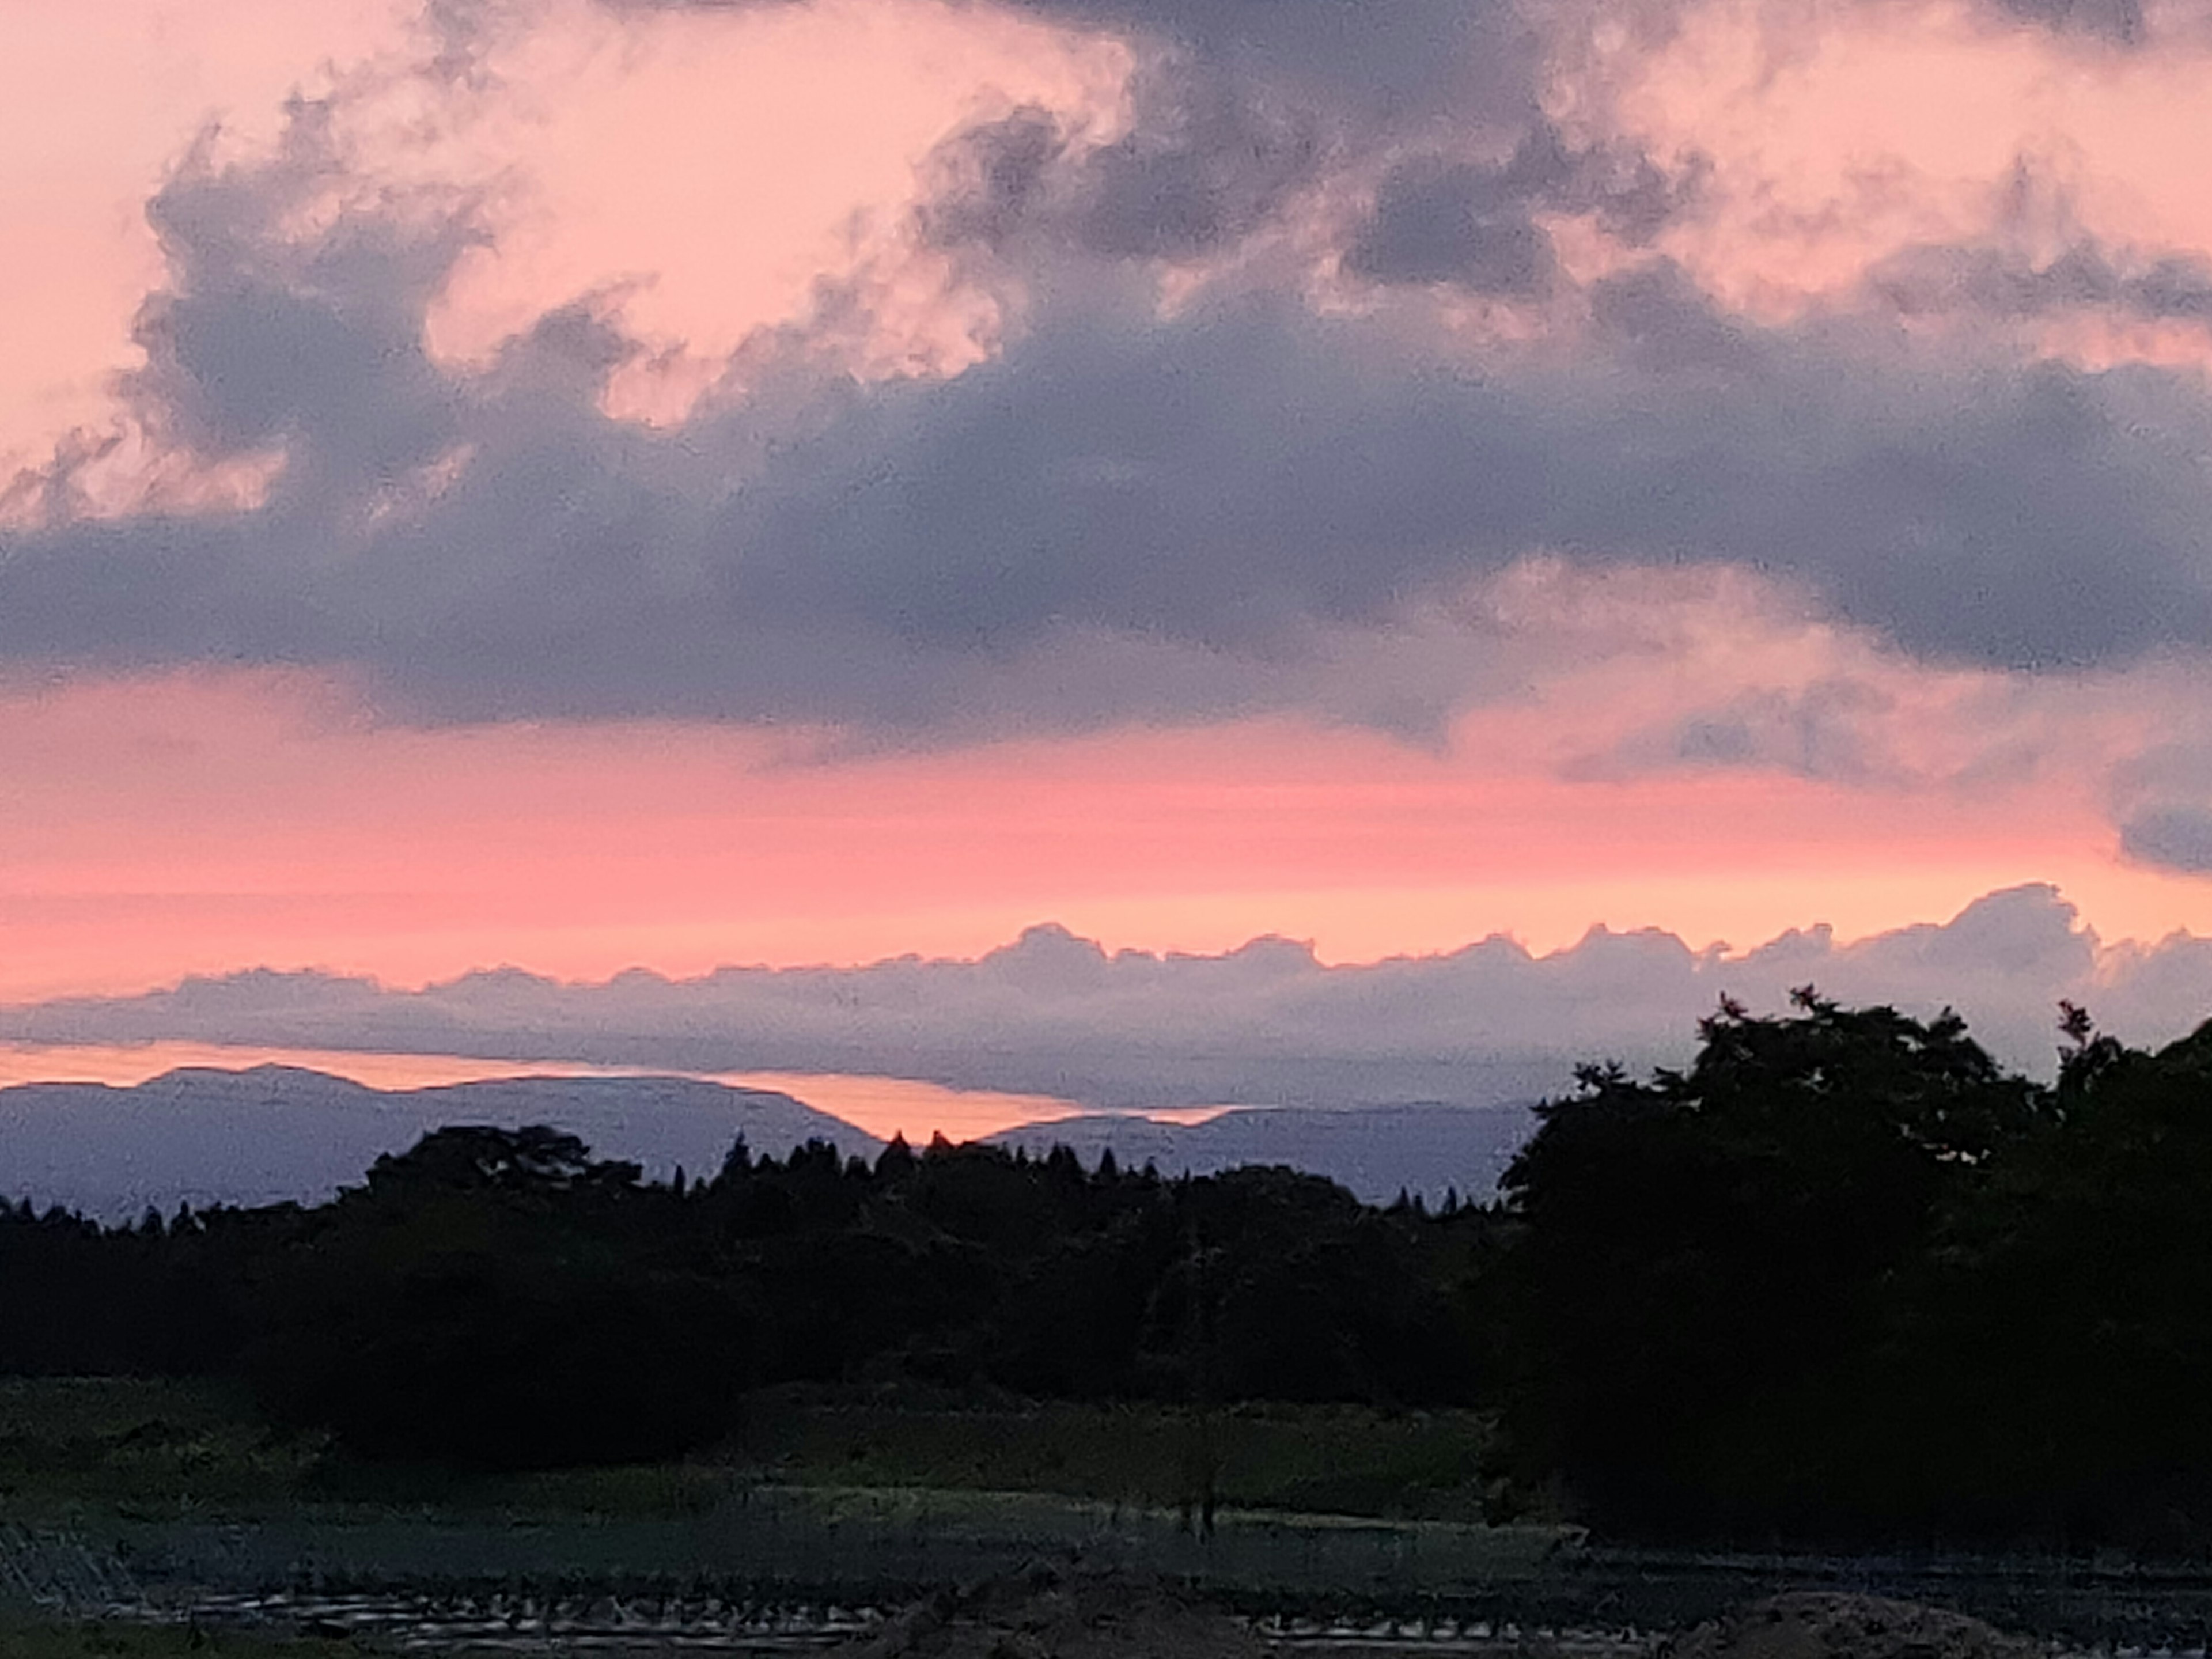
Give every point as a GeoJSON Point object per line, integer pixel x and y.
{"type": "Point", "coordinates": [483, 1302]}
{"type": "Point", "coordinates": [2070, 1307]}
{"type": "Point", "coordinates": [1701, 1274]}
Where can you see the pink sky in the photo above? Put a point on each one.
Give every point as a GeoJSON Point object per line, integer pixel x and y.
{"type": "Point", "coordinates": [171, 827]}
{"type": "Point", "coordinates": [708, 175]}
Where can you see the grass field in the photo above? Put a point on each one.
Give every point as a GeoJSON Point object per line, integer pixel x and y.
{"type": "Point", "coordinates": [131, 1440]}
{"type": "Point", "coordinates": [166, 1447]}
{"type": "Point", "coordinates": [36, 1639]}
{"type": "Point", "coordinates": [138, 1491]}
{"type": "Point", "coordinates": [1338, 1460]}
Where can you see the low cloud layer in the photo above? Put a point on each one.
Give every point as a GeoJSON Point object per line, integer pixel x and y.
{"type": "Point", "coordinates": [1053, 1014]}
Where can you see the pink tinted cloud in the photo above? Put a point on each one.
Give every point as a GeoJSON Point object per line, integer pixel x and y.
{"type": "Point", "coordinates": [1836, 137]}
{"type": "Point", "coordinates": [712, 166]}
{"type": "Point", "coordinates": [96, 103]}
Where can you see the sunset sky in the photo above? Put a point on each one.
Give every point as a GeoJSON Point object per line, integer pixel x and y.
{"type": "Point", "coordinates": [583, 486]}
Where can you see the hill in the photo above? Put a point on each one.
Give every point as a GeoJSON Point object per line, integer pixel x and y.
{"type": "Point", "coordinates": [1374, 1150]}
{"type": "Point", "coordinates": [206, 1136]}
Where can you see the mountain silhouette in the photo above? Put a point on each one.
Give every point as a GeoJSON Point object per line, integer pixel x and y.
{"type": "Point", "coordinates": [1374, 1150]}
{"type": "Point", "coordinates": [204, 1136]}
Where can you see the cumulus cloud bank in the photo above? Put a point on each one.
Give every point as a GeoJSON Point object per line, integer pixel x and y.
{"type": "Point", "coordinates": [1266, 1023]}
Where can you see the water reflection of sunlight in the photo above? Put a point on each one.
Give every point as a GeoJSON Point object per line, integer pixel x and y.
{"type": "Point", "coordinates": [883, 1106]}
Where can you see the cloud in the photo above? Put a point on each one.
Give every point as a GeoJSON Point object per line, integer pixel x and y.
{"type": "Point", "coordinates": [2171, 837]}
{"type": "Point", "coordinates": [2008, 281]}
{"type": "Point", "coordinates": [1458, 224]}
{"type": "Point", "coordinates": [1393, 55]}
{"type": "Point", "coordinates": [1246, 115]}
{"type": "Point", "coordinates": [2160, 792]}
{"type": "Point", "coordinates": [1055, 1014]}
{"type": "Point", "coordinates": [1474, 226]}
{"type": "Point", "coordinates": [1235, 484]}
{"type": "Point", "coordinates": [2115, 22]}
{"type": "Point", "coordinates": [312, 344]}
{"type": "Point", "coordinates": [1831, 729]}
{"type": "Point", "coordinates": [1401, 61]}
{"type": "Point", "coordinates": [1122, 512]}
{"type": "Point", "coordinates": [1199, 168]}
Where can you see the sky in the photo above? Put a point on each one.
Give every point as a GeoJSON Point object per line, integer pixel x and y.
{"type": "Point", "coordinates": [1205, 550]}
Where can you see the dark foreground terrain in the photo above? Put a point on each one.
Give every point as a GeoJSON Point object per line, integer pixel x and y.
{"type": "Point", "coordinates": [1844, 1282]}
{"type": "Point", "coordinates": [133, 1513]}
{"type": "Point", "coordinates": [1069, 1610]}
{"type": "Point", "coordinates": [1843, 1306]}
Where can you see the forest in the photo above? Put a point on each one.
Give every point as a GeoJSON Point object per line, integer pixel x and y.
{"type": "Point", "coordinates": [1843, 1279]}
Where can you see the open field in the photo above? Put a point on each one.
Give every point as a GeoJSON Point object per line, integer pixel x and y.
{"type": "Point", "coordinates": [161, 1496]}
{"type": "Point", "coordinates": [136, 1492]}
{"type": "Point", "coordinates": [1333, 1460]}
{"type": "Point", "coordinates": [158, 1446]}
{"type": "Point", "coordinates": [142, 1442]}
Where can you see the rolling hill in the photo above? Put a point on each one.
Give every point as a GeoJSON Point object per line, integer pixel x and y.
{"type": "Point", "coordinates": [1374, 1151]}
{"type": "Point", "coordinates": [204, 1136]}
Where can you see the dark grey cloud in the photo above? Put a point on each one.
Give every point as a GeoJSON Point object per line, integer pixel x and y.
{"type": "Point", "coordinates": [1207, 479]}
{"type": "Point", "coordinates": [1209, 159]}
{"type": "Point", "coordinates": [2006, 282]}
{"type": "Point", "coordinates": [1117, 516]}
{"type": "Point", "coordinates": [2170, 838]}
{"type": "Point", "coordinates": [1223, 484]}
{"type": "Point", "coordinates": [1474, 226]}
{"type": "Point", "coordinates": [2159, 795]}
{"type": "Point", "coordinates": [2113, 22]}
{"type": "Point", "coordinates": [992, 180]}
{"type": "Point", "coordinates": [1394, 60]}
{"type": "Point", "coordinates": [1437, 222]}
{"type": "Point", "coordinates": [1238, 106]}
{"type": "Point", "coordinates": [1654, 317]}
{"type": "Point", "coordinates": [1266, 1023]}
{"type": "Point", "coordinates": [1393, 55]}
{"type": "Point", "coordinates": [1199, 169]}
{"type": "Point", "coordinates": [1185, 181]}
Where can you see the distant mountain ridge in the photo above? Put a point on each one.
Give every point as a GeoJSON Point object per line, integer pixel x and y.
{"type": "Point", "coordinates": [1376, 1151]}
{"type": "Point", "coordinates": [206, 1136]}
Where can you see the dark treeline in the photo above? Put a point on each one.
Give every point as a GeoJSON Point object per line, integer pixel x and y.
{"type": "Point", "coordinates": [1844, 1279]}
{"type": "Point", "coordinates": [1845, 1276]}
{"type": "Point", "coordinates": [501, 1298]}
